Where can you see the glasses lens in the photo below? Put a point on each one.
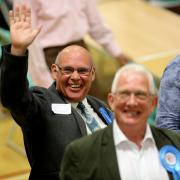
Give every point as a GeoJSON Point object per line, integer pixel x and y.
{"type": "Point", "coordinates": [83, 71]}
{"type": "Point", "coordinates": [67, 70]}
{"type": "Point", "coordinates": [125, 95]}
{"type": "Point", "coordinates": [141, 95]}
{"type": "Point", "coordinates": [70, 70]}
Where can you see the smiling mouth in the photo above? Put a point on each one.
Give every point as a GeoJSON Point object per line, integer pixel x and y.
{"type": "Point", "coordinates": [75, 86]}
{"type": "Point", "coordinates": [132, 113]}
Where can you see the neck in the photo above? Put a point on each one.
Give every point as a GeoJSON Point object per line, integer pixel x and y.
{"type": "Point", "coordinates": [134, 134]}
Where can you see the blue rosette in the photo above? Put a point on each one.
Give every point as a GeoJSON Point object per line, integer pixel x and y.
{"type": "Point", "coordinates": [170, 159]}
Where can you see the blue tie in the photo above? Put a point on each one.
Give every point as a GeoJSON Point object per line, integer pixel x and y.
{"type": "Point", "coordinates": [90, 121]}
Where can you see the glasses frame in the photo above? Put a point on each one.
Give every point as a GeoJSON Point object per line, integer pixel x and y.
{"type": "Point", "coordinates": [82, 71]}
{"type": "Point", "coordinates": [139, 95]}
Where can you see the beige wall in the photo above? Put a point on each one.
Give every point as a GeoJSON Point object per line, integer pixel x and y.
{"type": "Point", "coordinates": [102, 1]}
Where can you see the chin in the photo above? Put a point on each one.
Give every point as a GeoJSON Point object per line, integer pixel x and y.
{"type": "Point", "coordinates": [75, 99]}
{"type": "Point", "coordinates": [131, 121]}
{"type": "Point", "coordinates": [76, 96]}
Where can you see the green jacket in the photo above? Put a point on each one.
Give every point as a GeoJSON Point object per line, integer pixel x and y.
{"type": "Point", "coordinates": [94, 158]}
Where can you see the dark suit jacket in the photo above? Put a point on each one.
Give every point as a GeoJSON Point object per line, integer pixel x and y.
{"type": "Point", "coordinates": [94, 157]}
{"type": "Point", "coordinates": [46, 134]}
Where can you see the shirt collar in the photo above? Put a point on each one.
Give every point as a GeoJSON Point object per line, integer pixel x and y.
{"type": "Point", "coordinates": [119, 136]}
{"type": "Point", "coordinates": [84, 101]}
{"type": "Point", "coordinates": [148, 135]}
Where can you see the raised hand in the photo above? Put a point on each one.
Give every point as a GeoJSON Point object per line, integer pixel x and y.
{"type": "Point", "coordinates": [22, 34]}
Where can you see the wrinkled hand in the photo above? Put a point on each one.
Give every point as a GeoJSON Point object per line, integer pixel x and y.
{"type": "Point", "coordinates": [123, 59]}
{"type": "Point", "coordinates": [21, 32]}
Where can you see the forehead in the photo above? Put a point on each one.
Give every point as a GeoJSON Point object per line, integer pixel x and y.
{"type": "Point", "coordinates": [75, 57]}
{"type": "Point", "coordinates": [133, 80]}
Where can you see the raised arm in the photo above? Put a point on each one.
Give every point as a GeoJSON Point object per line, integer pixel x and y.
{"type": "Point", "coordinates": [21, 32]}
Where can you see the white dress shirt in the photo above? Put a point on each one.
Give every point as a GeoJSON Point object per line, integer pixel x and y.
{"type": "Point", "coordinates": [94, 114]}
{"type": "Point", "coordinates": [135, 163]}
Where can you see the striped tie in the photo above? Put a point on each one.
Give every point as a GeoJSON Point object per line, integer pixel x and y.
{"type": "Point", "coordinates": [90, 121]}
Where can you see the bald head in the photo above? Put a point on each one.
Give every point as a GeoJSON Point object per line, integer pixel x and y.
{"type": "Point", "coordinates": [74, 51]}
{"type": "Point", "coordinates": [73, 72]}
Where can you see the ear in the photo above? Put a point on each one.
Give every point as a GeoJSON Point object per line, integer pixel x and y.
{"type": "Point", "coordinates": [93, 73]}
{"type": "Point", "coordinates": [111, 101]}
{"type": "Point", "coordinates": [54, 71]}
{"type": "Point", "coordinates": [154, 102]}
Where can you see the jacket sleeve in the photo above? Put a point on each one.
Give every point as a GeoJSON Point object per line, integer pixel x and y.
{"type": "Point", "coordinates": [14, 89]}
{"type": "Point", "coordinates": [13, 83]}
{"type": "Point", "coordinates": [69, 165]}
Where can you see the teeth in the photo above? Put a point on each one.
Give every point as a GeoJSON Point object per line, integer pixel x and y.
{"type": "Point", "coordinates": [132, 113]}
{"type": "Point", "coordinates": [75, 86]}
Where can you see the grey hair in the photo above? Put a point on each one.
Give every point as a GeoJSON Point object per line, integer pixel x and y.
{"type": "Point", "coordinates": [135, 68]}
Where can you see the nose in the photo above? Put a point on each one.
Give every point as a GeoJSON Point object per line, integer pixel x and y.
{"type": "Point", "coordinates": [75, 75]}
{"type": "Point", "coordinates": [132, 100]}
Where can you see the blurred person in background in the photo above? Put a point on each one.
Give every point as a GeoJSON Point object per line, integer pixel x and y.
{"type": "Point", "coordinates": [168, 109]}
{"type": "Point", "coordinates": [66, 22]}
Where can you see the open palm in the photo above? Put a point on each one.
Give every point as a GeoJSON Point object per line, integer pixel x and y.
{"type": "Point", "coordinates": [21, 31]}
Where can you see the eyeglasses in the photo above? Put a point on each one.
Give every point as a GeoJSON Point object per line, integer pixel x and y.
{"type": "Point", "coordinates": [67, 70]}
{"type": "Point", "coordinates": [139, 95]}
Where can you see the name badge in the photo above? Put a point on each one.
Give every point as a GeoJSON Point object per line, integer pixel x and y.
{"type": "Point", "coordinates": [61, 108]}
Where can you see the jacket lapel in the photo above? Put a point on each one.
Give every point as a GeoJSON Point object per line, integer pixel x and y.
{"type": "Point", "coordinates": [75, 115]}
{"type": "Point", "coordinates": [96, 105]}
{"type": "Point", "coordinates": [80, 122]}
{"type": "Point", "coordinates": [79, 119]}
{"type": "Point", "coordinates": [108, 151]}
{"type": "Point", "coordinates": [161, 140]}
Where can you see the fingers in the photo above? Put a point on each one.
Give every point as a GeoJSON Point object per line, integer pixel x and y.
{"type": "Point", "coordinates": [28, 15]}
{"type": "Point", "coordinates": [20, 14]}
{"type": "Point", "coordinates": [11, 17]}
{"type": "Point", "coordinates": [23, 13]}
{"type": "Point", "coordinates": [22, 33]}
{"type": "Point", "coordinates": [17, 14]}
